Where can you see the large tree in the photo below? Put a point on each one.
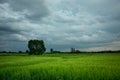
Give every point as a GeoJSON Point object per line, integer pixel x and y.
{"type": "Point", "coordinates": [36, 47]}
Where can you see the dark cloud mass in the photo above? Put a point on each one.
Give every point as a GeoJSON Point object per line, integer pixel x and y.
{"type": "Point", "coordinates": [86, 25]}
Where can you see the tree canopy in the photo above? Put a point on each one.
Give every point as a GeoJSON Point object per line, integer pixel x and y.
{"type": "Point", "coordinates": [36, 47]}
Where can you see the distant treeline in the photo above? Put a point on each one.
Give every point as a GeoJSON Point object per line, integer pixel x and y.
{"type": "Point", "coordinates": [13, 52]}
{"type": "Point", "coordinates": [71, 52]}
{"type": "Point", "coordinates": [78, 52]}
{"type": "Point", "coordinates": [37, 47]}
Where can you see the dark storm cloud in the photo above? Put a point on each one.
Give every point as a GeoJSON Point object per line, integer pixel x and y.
{"type": "Point", "coordinates": [3, 1]}
{"type": "Point", "coordinates": [62, 24]}
{"type": "Point", "coordinates": [34, 9]}
{"type": "Point", "coordinates": [92, 23]}
{"type": "Point", "coordinates": [6, 29]}
{"type": "Point", "coordinates": [15, 28]}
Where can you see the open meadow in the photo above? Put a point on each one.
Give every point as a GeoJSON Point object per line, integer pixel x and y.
{"type": "Point", "coordinates": [87, 66]}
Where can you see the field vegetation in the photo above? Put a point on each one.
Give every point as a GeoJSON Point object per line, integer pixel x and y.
{"type": "Point", "coordinates": [87, 66]}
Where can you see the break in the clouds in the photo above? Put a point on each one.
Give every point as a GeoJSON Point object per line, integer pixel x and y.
{"type": "Point", "coordinates": [62, 24]}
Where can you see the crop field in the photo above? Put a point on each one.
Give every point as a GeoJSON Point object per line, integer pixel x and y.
{"type": "Point", "coordinates": [61, 67]}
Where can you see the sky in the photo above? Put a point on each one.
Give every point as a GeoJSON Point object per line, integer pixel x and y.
{"type": "Point", "coordinates": [87, 25]}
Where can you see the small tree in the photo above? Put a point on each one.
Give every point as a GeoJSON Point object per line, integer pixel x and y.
{"type": "Point", "coordinates": [72, 50]}
{"type": "Point", "coordinates": [20, 52]}
{"type": "Point", "coordinates": [27, 51]}
{"type": "Point", "coordinates": [51, 50]}
{"type": "Point", "coordinates": [36, 47]}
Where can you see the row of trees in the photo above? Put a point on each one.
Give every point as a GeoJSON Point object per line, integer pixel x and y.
{"type": "Point", "coordinates": [37, 47]}
{"type": "Point", "coordinates": [54, 51]}
{"type": "Point", "coordinates": [73, 50]}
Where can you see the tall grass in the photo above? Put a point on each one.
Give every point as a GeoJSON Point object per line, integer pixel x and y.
{"type": "Point", "coordinates": [61, 67]}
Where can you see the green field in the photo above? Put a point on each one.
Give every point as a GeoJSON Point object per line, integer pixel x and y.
{"type": "Point", "coordinates": [60, 67]}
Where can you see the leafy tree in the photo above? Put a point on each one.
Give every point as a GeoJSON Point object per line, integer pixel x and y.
{"type": "Point", "coordinates": [36, 47]}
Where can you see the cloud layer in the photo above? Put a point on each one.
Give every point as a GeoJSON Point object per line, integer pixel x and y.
{"type": "Point", "coordinates": [62, 24]}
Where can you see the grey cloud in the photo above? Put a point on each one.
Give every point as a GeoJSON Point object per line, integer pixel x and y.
{"type": "Point", "coordinates": [33, 9]}
{"type": "Point", "coordinates": [13, 46]}
{"type": "Point", "coordinates": [16, 22]}
{"type": "Point", "coordinates": [113, 28]}
{"type": "Point", "coordinates": [36, 9]}
{"type": "Point", "coordinates": [5, 30]}
{"type": "Point", "coordinates": [61, 24]}
{"type": "Point", "coordinates": [3, 1]}
{"type": "Point", "coordinates": [109, 46]}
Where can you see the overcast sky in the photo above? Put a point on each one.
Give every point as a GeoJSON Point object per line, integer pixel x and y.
{"type": "Point", "coordinates": [88, 25]}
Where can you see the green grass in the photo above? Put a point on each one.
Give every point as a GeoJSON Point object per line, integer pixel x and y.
{"type": "Point", "coordinates": [60, 67]}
